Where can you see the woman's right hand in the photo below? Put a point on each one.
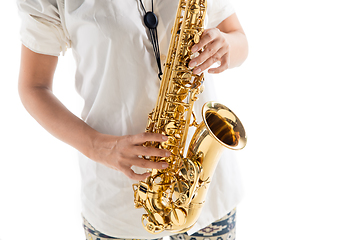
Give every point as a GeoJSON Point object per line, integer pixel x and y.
{"type": "Point", "coordinates": [121, 153]}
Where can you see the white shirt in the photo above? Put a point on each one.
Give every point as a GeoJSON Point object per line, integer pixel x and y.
{"type": "Point", "coordinates": [117, 77]}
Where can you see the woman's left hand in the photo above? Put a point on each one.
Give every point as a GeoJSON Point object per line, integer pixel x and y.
{"type": "Point", "coordinates": [216, 49]}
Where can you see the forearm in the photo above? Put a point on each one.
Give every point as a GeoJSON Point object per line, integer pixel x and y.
{"type": "Point", "coordinates": [51, 114]}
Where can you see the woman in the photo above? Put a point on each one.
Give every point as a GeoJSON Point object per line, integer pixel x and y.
{"type": "Point", "coordinates": [117, 77]}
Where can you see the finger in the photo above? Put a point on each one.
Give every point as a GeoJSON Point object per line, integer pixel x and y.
{"type": "Point", "coordinates": [209, 51]}
{"type": "Point", "coordinates": [210, 61]}
{"type": "Point", "coordinates": [148, 137]}
{"type": "Point", "coordinates": [135, 176]}
{"type": "Point", "coordinates": [208, 36]}
{"type": "Point", "coordinates": [150, 151]}
{"type": "Point", "coordinates": [224, 65]}
{"type": "Point", "coordinates": [143, 163]}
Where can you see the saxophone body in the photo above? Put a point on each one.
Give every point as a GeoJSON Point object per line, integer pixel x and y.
{"type": "Point", "coordinates": [173, 197]}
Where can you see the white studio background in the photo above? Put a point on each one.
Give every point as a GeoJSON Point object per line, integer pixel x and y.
{"type": "Point", "coordinates": [296, 94]}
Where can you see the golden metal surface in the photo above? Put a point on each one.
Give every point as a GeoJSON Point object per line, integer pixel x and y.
{"type": "Point", "coordinates": [173, 197]}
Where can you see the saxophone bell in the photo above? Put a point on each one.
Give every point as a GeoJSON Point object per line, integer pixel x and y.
{"type": "Point", "coordinates": [220, 129]}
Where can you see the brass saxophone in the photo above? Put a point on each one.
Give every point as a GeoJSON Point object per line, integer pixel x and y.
{"type": "Point", "coordinates": [173, 197]}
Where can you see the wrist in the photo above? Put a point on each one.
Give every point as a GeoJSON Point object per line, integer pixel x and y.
{"type": "Point", "coordinates": [90, 142]}
{"type": "Point", "coordinates": [98, 143]}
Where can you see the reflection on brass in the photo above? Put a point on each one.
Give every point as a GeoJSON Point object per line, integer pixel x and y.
{"type": "Point", "coordinates": [173, 197]}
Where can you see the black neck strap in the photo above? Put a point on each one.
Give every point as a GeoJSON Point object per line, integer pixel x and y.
{"type": "Point", "coordinates": [151, 23]}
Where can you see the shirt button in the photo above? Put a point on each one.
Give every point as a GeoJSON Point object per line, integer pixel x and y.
{"type": "Point", "coordinates": [162, 57]}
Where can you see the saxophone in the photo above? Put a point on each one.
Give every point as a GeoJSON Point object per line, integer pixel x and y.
{"type": "Point", "coordinates": [173, 197]}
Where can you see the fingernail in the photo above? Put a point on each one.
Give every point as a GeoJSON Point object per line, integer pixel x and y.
{"type": "Point", "coordinates": [167, 154]}
{"type": "Point", "coordinates": [194, 49]}
{"type": "Point", "coordinates": [165, 165]}
{"type": "Point", "coordinates": [192, 64]}
{"type": "Point", "coordinates": [197, 71]}
{"type": "Point", "coordinates": [164, 138]}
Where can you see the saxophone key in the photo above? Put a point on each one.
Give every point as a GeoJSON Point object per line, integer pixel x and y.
{"type": "Point", "coordinates": [178, 216]}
